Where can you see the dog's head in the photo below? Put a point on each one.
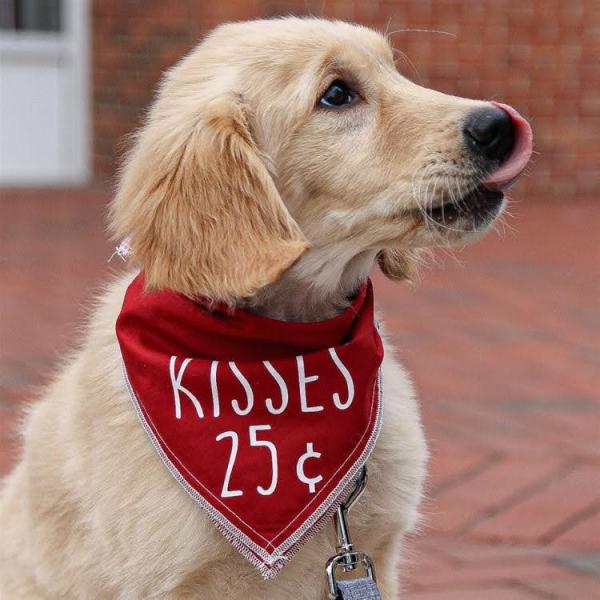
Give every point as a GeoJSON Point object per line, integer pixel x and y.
{"type": "Point", "coordinates": [273, 137]}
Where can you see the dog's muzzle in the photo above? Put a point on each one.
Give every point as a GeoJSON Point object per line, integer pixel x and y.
{"type": "Point", "coordinates": [500, 142]}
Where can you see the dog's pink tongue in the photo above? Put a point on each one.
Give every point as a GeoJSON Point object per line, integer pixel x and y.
{"type": "Point", "coordinates": [513, 166]}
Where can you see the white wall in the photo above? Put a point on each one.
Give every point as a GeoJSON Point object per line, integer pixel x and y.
{"type": "Point", "coordinates": [44, 100]}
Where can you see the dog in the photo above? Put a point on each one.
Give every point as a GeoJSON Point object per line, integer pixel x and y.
{"type": "Point", "coordinates": [280, 160]}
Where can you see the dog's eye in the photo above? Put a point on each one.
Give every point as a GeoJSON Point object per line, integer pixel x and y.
{"type": "Point", "coordinates": [338, 94]}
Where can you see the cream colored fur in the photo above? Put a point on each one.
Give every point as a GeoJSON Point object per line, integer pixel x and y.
{"type": "Point", "coordinates": [242, 189]}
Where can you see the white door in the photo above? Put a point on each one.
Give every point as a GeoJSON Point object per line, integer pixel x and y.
{"type": "Point", "coordinates": [44, 92]}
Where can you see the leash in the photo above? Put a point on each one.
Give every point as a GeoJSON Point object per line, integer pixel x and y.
{"type": "Point", "coordinates": [347, 559]}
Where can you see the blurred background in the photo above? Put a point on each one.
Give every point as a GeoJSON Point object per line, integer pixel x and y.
{"type": "Point", "coordinates": [502, 338]}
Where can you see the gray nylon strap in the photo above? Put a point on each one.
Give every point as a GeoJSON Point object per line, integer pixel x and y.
{"type": "Point", "coordinates": [358, 589]}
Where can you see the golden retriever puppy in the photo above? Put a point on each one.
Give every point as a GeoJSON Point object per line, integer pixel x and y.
{"type": "Point", "coordinates": [279, 162]}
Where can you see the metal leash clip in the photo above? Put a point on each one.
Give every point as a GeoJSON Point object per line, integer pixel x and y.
{"type": "Point", "coordinates": [347, 559]}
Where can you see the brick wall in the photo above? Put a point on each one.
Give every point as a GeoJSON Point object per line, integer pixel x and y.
{"type": "Point", "coordinates": [542, 56]}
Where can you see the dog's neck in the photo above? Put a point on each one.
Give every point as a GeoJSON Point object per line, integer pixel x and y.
{"type": "Point", "coordinates": [319, 286]}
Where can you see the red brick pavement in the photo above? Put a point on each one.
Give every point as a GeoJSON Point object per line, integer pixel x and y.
{"type": "Point", "coordinates": [502, 339]}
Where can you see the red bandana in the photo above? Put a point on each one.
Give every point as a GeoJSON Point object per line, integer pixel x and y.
{"type": "Point", "coordinates": [264, 423]}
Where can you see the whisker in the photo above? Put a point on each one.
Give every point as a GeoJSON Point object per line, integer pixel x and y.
{"type": "Point", "coordinates": [407, 61]}
{"type": "Point", "coordinates": [452, 254]}
{"type": "Point", "coordinates": [424, 190]}
{"type": "Point", "coordinates": [434, 31]}
{"type": "Point", "coordinates": [387, 27]}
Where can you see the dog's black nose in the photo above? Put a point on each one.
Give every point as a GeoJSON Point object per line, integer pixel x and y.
{"type": "Point", "coordinates": [490, 132]}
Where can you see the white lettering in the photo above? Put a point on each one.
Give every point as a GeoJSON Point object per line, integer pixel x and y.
{"type": "Point", "coordinates": [273, 450]}
{"type": "Point", "coordinates": [303, 380]}
{"type": "Point", "coordinates": [177, 387]}
{"type": "Point", "coordinates": [311, 482]}
{"type": "Point", "coordinates": [282, 387]}
{"type": "Point", "coordinates": [349, 383]}
{"type": "Point", "coordinates": [226, 492]}
{"type": "Point", "coordinates": [214, 388]}
{"type": "Point", "coordinates": [249, 393]}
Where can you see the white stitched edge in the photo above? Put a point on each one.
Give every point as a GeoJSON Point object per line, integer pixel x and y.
{"type": "Point", "coordinates": [336, 492]}
{"type": "Point", "coordinates": [213, 512]}
{"type": "Point", "coordinates": [271, 564]}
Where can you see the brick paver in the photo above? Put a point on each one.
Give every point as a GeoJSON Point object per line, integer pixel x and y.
{"type": "Point", "coordinates": [503, 346]}
{"type": "Point", "coordinates": [553, 508]}
{"type": "Point", "coordinates": [583, 534]}
{"type": "Point", "coordinates": [501, 483]}
{"type": "Point", "coordinates": [575, 589]}
{"type": "Point", "coordinates": [478, 593]}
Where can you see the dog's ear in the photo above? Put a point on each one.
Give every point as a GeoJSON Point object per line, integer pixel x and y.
{"type": "Point", "coordinates": [397, 264]}
{"type": "Point", "coordinates": [200, 209]}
